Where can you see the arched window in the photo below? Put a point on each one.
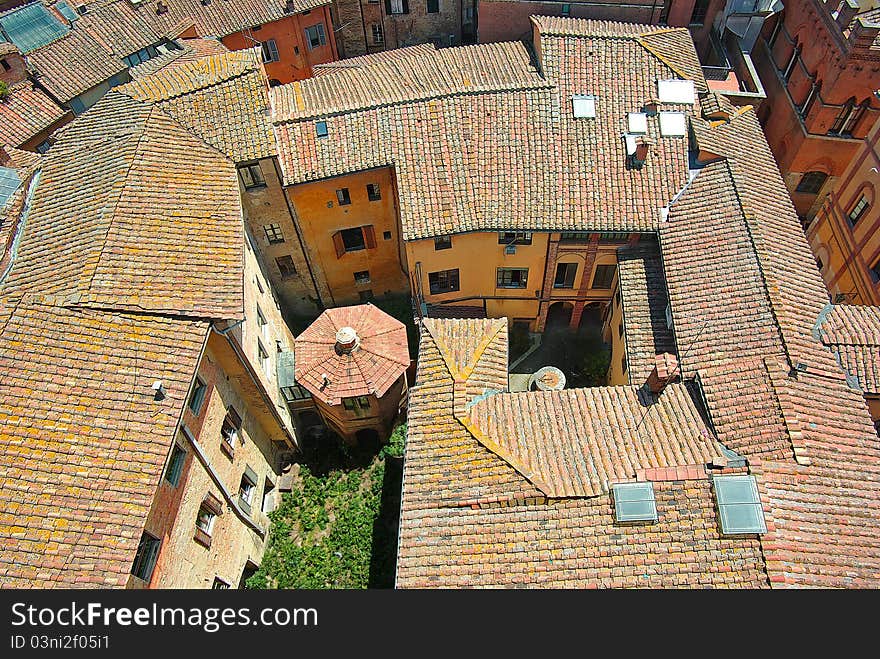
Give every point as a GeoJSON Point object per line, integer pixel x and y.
{"type": "Point", "coordinates": [811, 182]}
{"type": "Point", "coordinates": [849, 117]}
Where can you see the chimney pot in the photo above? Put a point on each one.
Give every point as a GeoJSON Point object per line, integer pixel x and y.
{"type": "Point", "coordinates": [665, 371]}
{"type": "Point", "coordinates": [347, 340]}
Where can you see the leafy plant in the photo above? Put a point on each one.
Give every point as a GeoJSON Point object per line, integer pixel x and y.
{"type": "Point", "coordinates": [4, 91]}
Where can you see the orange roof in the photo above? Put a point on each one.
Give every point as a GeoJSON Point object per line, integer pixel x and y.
{"type": "Point", "coordinates": [376, 362]}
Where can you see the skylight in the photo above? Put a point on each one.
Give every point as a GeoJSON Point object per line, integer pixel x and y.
{"type": "Point", "coordinates": [634, 502]}
{"type": "Point", "coordinates": [739, 505]}
{"type": "Point", "coordinates": [583, 106]}
{"type": "Point", "coordinates": [65, 10]}
{"type": "Point", "coordinates": [676, 91]}
{"type": "Point", "coordinates": [9, 183]}
{"type": "Point", "coordinates": [673, 124]}
{"type": "Point", "coordinates": [321, 128]}
{"type": "Point", "coordinates": [637, 122]}
{"type": "Point", "coordinates": [32, 26]}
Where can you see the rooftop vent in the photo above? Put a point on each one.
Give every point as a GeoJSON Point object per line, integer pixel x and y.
{"type": "Point", "coordinates": [739, 505]}
{"type": "Point", "coordinates": [346, 341]}
{"type": "Point", "coordinates": [673, 124]}
{"type": "Point", "coordinates": [634, 502]}
{"type": "Point", "coordinates": [547, 378]}
{"type": "Point", "coordinates": [583, 106]}
{"type": "Point", "coordinates": [676, 91]}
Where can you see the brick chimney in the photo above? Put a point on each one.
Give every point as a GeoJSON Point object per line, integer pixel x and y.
{"type": "Point", "coordinates": [665, 371]}
{"type": "Point", "coordinates": [643, 146]}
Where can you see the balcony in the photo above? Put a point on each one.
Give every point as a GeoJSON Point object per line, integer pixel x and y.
{"type": "Point", "coordinates": [730, 71]}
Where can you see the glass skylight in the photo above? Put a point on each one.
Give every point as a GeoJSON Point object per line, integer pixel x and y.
{"type": "Point", "coordinates": [637, 122]}
{"type": "Point", "coordinates": [676, 91]}
{"type": "Point", "coordinates": [673, 124]}
{"type": "Point", "coordinates": [634, 502]}
{"type": "Point", "coordinates": [583, 106]}
{"type": "Point", "coordinates": [32, 26]}
{"type": "Point", "coordinates": [9, 183]}
{"type": "Point", "coordinates": [739, 505]}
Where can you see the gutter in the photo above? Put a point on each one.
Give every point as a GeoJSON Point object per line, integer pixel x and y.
{"type": "Point", "coordinates": [230, 500]}
{"type": "Point", "coordinates": [13, 245]}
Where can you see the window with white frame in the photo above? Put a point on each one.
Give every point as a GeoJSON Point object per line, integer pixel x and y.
{"type": "Point", "coordinates": [270, 51]}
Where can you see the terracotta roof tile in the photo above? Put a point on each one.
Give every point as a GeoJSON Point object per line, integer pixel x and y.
{"type": "Point", "coordinates": [324, 68]}
{"type": "Point", "coordinates": [191, 49]}
{"type": "Point", "coordinates": [82, 439]}
{"type": "Point", "coordinates": [378, 361]}
{"type": "Point", "coordinates": [25, 113]}
{"type": "Point", "coordinates": [852, 333]}
{"type": "Point", "coordinates": [122, 180]}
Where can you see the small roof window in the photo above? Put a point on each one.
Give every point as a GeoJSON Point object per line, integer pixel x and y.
{"type": "Point", "coordinates": [673, 124]}
{"type": "Point", "coordinates": [676, 91]}
{"type": "Point", "coordinates": [9, 183]}
{"type": "Point", "coordinates": [321, 128]}
{"type": "Point", "coordinates": [634, 502]}
{"type": "Point", "coordinates": [583, 106]}
{"type": "Point", "coordinates": [637, 122]}
{"type": "Point", "coordinates": [739, 505]}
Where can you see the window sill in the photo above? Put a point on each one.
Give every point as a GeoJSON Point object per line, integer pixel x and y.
{"type": "Point", "coordinates": [255, 187]}
{"type": "Point", "coordinates": [202, 538]}
{"type": "Point", "coordinates": [514, 288]}
{"type": "Point", "coordinates": [354, 249]}
{"type": "Point", "coordinates": [442, 292]}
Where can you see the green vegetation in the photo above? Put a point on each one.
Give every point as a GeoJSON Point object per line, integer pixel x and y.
{"type": "Point", "coordinates": [339, 529]}
{"type": "Point", "coordinates": [4, 90]}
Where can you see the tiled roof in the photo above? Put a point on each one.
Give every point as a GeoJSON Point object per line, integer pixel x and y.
{"type": "Point", "coordinates": [26, 112]}
{"type": "Point", "coordinates": [469, 519]}
{"type": "Point", "coordinates": [133, 212]}
{"type": "Point", "coordinates": [378, 361]}
{"type": "Point", "coordinates": [424, 49]}
{"type": "Point", "coordinates": [82, 438]}
{"type": "Point", "coordinates": [73, 65]}
{"type": "Point", "coordinates": [120, 27]}
{"type": "Point", "coordinates": [480, 140]}
{"type": "Point", "coordinates": [852, 332]}
{"type": "Point", "coordinates": [222, 17]}
{"type": "Point", "coordinates": [221, 98]}
{"type": "Point", "coordinates": [191, 49]}
{"type": "Point", "coordinates": [644, 299]}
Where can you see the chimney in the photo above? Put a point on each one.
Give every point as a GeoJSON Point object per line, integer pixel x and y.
{"type": "Point", "coordinates": [347, 341]}
{"type": "Point", "coordinates": [665, 371]}
{"type": "Point", "coordinates": [643, 145]}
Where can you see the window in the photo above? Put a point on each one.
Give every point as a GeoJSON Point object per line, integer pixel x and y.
{"type": "Point", "coordinates": [849, 117]}
{"type": "Point", "coordinates": [613, 237]}
{"type": "Point", "coordinates": [378, 34]}
{"type": "Point", "coordinates": [321, 128]}
{"type": "Point", "coordinates": [565, 273]}
{"type": "Point", "coordinates": [273, 233]}
{"type": "Point", "coordinates": [396, 6]}
{"type": "Point", "coordinates": [739, 505]}
{"type": "Point", "coordinates": [575, 236]}
{"type": "Point", "coordinates": [356, 403]}
{"type": "Point", "coordinates": [604, 276]}
{"type": "Point", "coordinates": [353, 239]}
{"type": "Point", "coordinates": [514, 238]}
{"type": "Point", "coordinates": [444, 281]}
{"type": "Point", "coordinates": [285, 266]}
{"type": "Point", "coordinates": [386, 235]}
{"type": "Point", "coordinates": [858, 210]}
{"type": "Point", "coordinates": [634, 502]}
{"type": "Point", "coordinates": [197, 396]}
{"type": "Point", "coordinates": [875, 271]}
{"type": "Point", "coordinates": [811, 183]}
{"type": "Point", "coordinates": [698, 16]}
{"type": "Point", "coordinates": [342, 197]}
{"type": "Point", "coordinates": [43, 147]}
{"type": "Point", "coordinates": [442, 242]}
{"type": "Point", "coordinates": [5, 65]}
{"type": "Point", "coordinates": [512, 277]}
{"type": "Point", "coordinates": [252, 176]}
{"type": "Point", "coordinates": [373, 192]}
{"type": "Point", "coordinates": [263, 357]}
{"type": "Point", "coordinates": [175, 465]}
{"type": "Point", "coordinates": [270, 51]}
{"type": "Point", "coordinates": [362, 277]}
{"type": "Point", "coordinates": [263, 325]}
{"type": "Point", "coordinates": [623, 363]}
{"type": "Point", "coordinates": [145, 558]}
{"type": "Point", "coordinates": [268, 503]}
{"type": "Point", "coordinates": [219, 584]}
{"type": "Point", "coordinates": [433, 6]}
{"type": "Point", "coordinates": [208, 512]}
{"type": "Point", "coordinates": [315, 36]}
{"type": "Point", "coordinates": [247, 489]}
{"type": "Point", "coordinates": [229, 431]}
{"type": "Point", "coordinates": [620, 330]}
{"type": "Point", "coordinates": [366, 295]}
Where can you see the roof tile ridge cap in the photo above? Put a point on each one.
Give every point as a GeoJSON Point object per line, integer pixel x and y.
{"type": "Point", "coordinates": [119, 182]}
{"type": "Point", "coordinates": [792, 422]}
{"type": "Point", "coordinates": [662, 58]}
{"type": "Point", "coordinates": [468, 423]}
{"type": "Point", "coordinates": [179, 72]}
{"type": "Point", "coordinates": [487, 339]}
{"type": "Point", "coordinates": [445, 352]}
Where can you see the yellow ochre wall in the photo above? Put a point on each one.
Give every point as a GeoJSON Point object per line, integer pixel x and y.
{"type": "Point", "coordinates": [616, 374]}
{"type": "Point", "coordinates": [320, 216]}
{"type": "Point", "coordinates": [477, 256]}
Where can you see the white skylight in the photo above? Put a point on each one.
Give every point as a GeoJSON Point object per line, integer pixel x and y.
{"type": "Point", "coordinates": [676, 91]}
{"type": "Point", "coordinates": [583, 106]}
{"type": "Point", "coordinates": [673, 124]}
{"type": "Point", "coordinates": [638, 122]}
